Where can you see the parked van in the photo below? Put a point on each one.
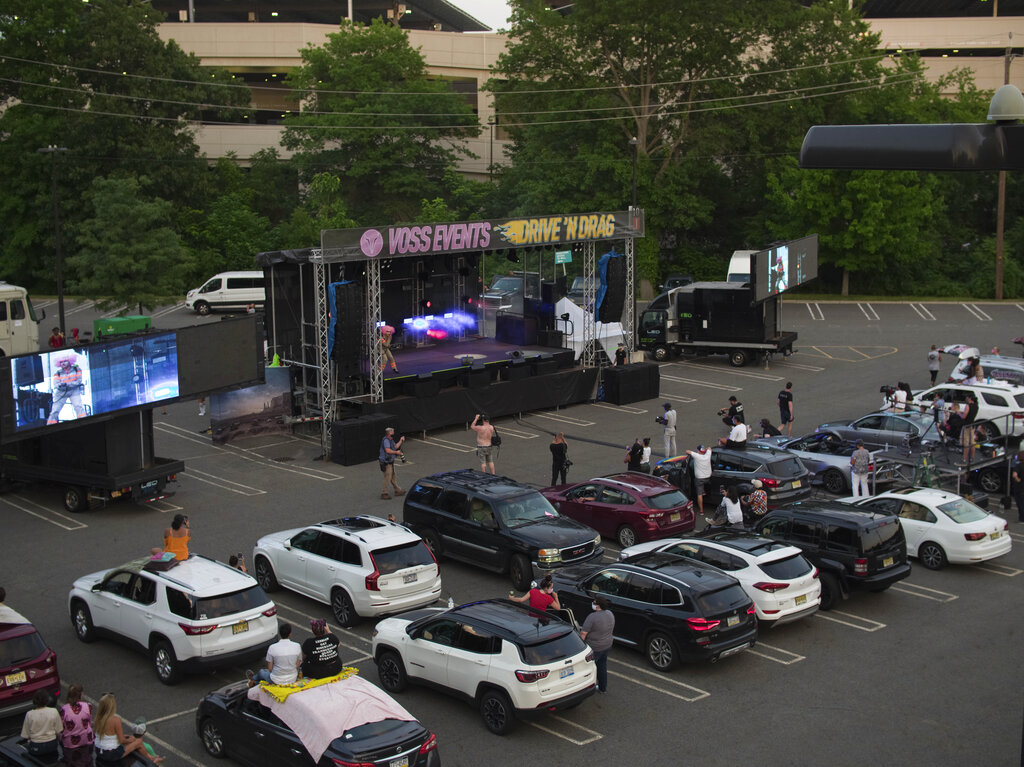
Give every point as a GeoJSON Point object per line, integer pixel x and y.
{"type": "Point", "coordinates": [19, 327]}
{"type": "Point", "coordinates": [739, 266]}
{"type": "Point", "coordinates": [228, 290]}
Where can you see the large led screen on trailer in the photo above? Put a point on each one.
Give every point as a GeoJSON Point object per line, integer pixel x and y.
{"type": "Point", "coordinates": [785, 266]}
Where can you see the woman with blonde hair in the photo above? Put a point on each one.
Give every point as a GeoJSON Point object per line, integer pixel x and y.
{"type": "Point", "coordinates": [112, 743]}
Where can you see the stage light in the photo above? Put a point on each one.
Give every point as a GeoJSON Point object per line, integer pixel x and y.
{"type": "Point", "coordinates": [437, 334]}
{"type": "Point", "coordinates": [564, 317]}
{"type": "Point", "coordinates": [425, 304]}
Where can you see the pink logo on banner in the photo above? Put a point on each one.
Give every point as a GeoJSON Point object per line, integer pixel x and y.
{"type": "Point", "coordinates": [371, 243]}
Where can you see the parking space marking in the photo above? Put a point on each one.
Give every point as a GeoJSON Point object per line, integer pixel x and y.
{"type": "Point", "coordinates": [223, 484]}
{"type": "Point", "coordinates": [621, 408]}
{"type": "Point", "coordinates": [731, 372]}
{"type": "Point", "coordinates": [164, 506]}
{"type": "Point", "coordinates": [561, 418]}
{"type": "Point", "coordinates": [705, 384]}
{"type": "Point", "coordinates": [505, 430]}
{"type": "Point", "coordinates": [72, 524]}
{"type": "Point", "coordinates": [575, 741]}
{"type": "Point", "coordinates": [976, 312]}
{"type": "Point", "coordinates": [1019, 307]}
{"type": "Point", "coordinates": [168, 717]}
{"type": "Point", "coordinates": [862, 624]}
{"type": "Point", "coordinates": [677, 397]}
{"type": "Point", "coordinates": [815, 312]}
{"type": "Point", "coordinates": [776, 654]}
{"type": "Point", "coordinates": [838, 352]}
{"type": "Point", "coordinates": [787, 364]}
{"type": "Point", "coordinates": [868, 311]}
{"type": "Point", "coordinates": [661, 677]}
{"type": "Point", "coordinates": [992, 567]}
{"type": "Point", "coordinates": [922, 311]}
{"type": "Point", "coordinates": [458, 447]}
{"type": "Point", "coordinates": [333, 628]}
{"type": "Point", "coordinates": [81, 308]}
{"type": "Point", "coordinates": [1017, 536]}
{"type": "Point", "coordinates": [165, 746]}
{"type": "Point", "coordinates": [924, 592]}
{"type": "Point", "coordinates": [168, 310]}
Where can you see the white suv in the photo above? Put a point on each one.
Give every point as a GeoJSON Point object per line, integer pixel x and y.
{"type": "Point", "coordinates": [360, 566]}
{"type": "Point", "coordinates": [1000, 405]}
{"type": "Point", "coordinates": [508, 659]}
{"type": "Point", "coordinates": [194, 615]}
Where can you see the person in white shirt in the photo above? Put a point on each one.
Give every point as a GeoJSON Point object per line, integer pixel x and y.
{"type": "Point", "coordinates": [737, 437]}
{"type": "Point", "coordinates": [669, 422]}
{"type": "Point", "coordinates": [284, 659]}
{"type": "Point", "coordinates": [645, 459]}
{"type": "Point", "coordinates": [701, 472]}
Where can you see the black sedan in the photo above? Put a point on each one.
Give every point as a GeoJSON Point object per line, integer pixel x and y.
{"type": "Point", "coordinates": [230, 724]}
{"type": "Point", "coordinates": [671, 608]}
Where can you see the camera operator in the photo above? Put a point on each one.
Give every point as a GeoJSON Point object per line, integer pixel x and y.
{"type": "Point", "coordinates": [237, 561]}
{"type": "Point", "coordinates": [734, 410]}
{"type": "Point", "coordinates": [669, 422]}
{"type": "Point", "coordinates": [389, 449]}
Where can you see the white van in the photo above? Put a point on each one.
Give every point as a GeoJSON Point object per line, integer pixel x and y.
{"type": "Point", "coordinates": [739, 266]}
{"type": "Point", "coordinates": [228, 290]}
{"type": "Point", "coordinates": [19, 327]}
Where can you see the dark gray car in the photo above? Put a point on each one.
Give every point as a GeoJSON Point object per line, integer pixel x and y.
{"type": "Point", "coordinates": [886, 429]}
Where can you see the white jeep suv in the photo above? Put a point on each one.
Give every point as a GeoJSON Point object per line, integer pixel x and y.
{"type": "Point", "coordinates": [1000, 405]}
{"type": "Point", "coordinates": [506, 658]}
{"type": "Point", "coordinates": [192, 615]}
{"type": "Point", "coordinates": [360, 566]}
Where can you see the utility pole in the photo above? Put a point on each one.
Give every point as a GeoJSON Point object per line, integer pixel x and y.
{"type": "Point", "coordinates": [1001, 193]}
{"type": "Point", "coordinates": [52, 150]}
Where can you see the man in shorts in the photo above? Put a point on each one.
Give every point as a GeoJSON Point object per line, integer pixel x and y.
{"type": "Point", "coordinates": [484, 450]}
{"type": "Point", "coordinates": [786, 409]}
{"type": "Point", "coordinates": [701, 472]}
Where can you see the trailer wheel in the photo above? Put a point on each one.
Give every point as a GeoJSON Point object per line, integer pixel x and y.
{"type": "Point", "coordinates": [660, 353]}
{"type": "Point", "coordinates": [76, 499]}
{"type": "Point", "coordinates": [738, 358]}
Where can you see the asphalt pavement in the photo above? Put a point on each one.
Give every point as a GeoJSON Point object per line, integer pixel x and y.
{"type": "Point", "coordinates": [925, 673]}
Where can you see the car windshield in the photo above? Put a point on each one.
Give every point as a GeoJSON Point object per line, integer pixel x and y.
{"type": "Point", "coordinates": [722, 600]}
{"type": "Point", "coordinates": [962, 512]}
{"type": "Point", "coordinates": [558, 648]}
{"type": "Point", "coordinates": [507, 284]}
{"type": "Point", "coordinates": [20, 649]}
{"type": "Point", "coordinates": [397, 558]}
{"type": "Point", "coordinates": [788, 568]}
{"type": "Point", "coordinates": [878, 537]}
{"type": "Point", "coordinates": [210, 608]}
{"type": "Point", "coordinates": [525, 510]}
{"type": "Point", "coordinates": [787, 467]}
{"type": "Point", "coordinates": [669, 500]}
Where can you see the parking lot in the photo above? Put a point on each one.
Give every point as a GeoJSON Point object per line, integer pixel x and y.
{"type": "Point", "coordinates": [925, 673]}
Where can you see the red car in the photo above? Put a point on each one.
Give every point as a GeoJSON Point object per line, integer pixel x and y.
{"type": "Point", "coordinates": [27, 665]}
{"type": "Point", "coordinates": [630, 507]}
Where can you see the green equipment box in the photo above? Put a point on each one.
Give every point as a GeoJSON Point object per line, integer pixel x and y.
{"type": "Point", "coordinates": [113, 326]}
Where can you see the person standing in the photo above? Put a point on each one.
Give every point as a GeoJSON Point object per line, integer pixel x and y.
{"type": "Point", "coordinates": [484, 445]}
{"type": "Point", "coordinates": [559, 455]}
{"type": "Point", "coordinates": [284, 658]}
{"type": "Point", "coordinates": [967, 432]}
{"type": "Point", "coordinates": [77, 737]}
{"type": "Point", "coordinates": [934, 358]}
{"type": "Point", "coordinates": [388, 450]}
{"type": "Point", "coordinates": [860, 467]}
{"type": "Point", "coordinates": [645, 459]}
{"type": "Point", "coordinates": [620, 355]}
{"type": "Point", "coordinates": [320, 656]}
{"type": "Point", "coordinates": [668, 420]}
{"type": "Point", "coordinates": [786, 409]}
{"type": "Point", "coordinates": [701, 472]}
{"type": "Point", "coordinates": [598, 632]}
{"type": "Point", "coordinates": [56, 339]}
{"type": "Point", "coordinates": [939, 408]}
{"type": "Point", "coordinates": [634, 455]}
{"type": "Point", "coordinates": [387, 334]}
{"type": "Point", "coordinates": [1017, 484]}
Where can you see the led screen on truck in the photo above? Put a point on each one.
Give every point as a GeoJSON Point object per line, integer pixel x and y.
{"type": "Point", "coordinates": [784, 266]}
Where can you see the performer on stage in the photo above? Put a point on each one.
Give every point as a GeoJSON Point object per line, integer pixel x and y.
{"type": "Point", "coordinates": [386, 334]}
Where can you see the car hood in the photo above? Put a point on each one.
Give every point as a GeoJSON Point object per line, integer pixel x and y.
{"type": "Point", "coordinates": [572, 575]}
{"type": "Point", "coordinates": [557, 532]}
{"type": "Point", "coordinates": [278, 539]}
{"type": "Point", "coordinates": [86, 582]}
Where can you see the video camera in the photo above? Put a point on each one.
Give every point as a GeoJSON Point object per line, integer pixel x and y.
{"type": "Point", "coordinates": [660, 419]}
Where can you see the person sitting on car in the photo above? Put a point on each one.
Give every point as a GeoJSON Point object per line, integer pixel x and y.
{"type": "Point", "coordinates": [283, 660]}
{"type": "Point", "coordinates": [320, 656]}
{"type": "Point", "coordinates": [177, 536]}
{"type": "Point", "coordinates": [41, 727]}
{"type": "Point", "coordinates": [737, 437]}
{"type": "Point", "coordinates": [767, 430]}
{"type": "Point", "coordinates": [112, 742]}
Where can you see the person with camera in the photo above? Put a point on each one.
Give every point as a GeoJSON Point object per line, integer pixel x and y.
{"type": "Point", "coordinates": [560, 462]}
{"type": "Point", "coordinates": [484, 442]}
{"type": "Point", "coordinates": [389, 449]}
{"type": "Point", "coordinates": [237, 561]}
{"type": "Point", "coordinates": [669, 422]}
{"type": "Point", "coordinates": [734, 410]}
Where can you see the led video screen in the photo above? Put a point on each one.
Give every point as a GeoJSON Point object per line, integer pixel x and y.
{"type": "Point", "coordinates": [784, 266]}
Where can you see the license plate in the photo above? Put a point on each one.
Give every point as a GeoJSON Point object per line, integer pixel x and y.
{"type": "Point", "coordinates": [403, 762]}
{"type": "Point", "coordinates": [796, 483]}
{"type": "Point", "coordinates": [801, 599]}
{"type": "Point", "coordinates": [12, 679]}
{"type": "Point", "coordinates": [674, 517]}
{"type": "Point", "coordinates": [887, 562]}
{"type": "Point", "coordinates": [732, 620]}
{"type": "Point", "coordinates": [565, 672]}
{"type": "Point", "coordinates": [410, 578]}
{"type": "Point", "coordinates": [994, 535]}
{"type": "Point", "coordinates": [238, 628]}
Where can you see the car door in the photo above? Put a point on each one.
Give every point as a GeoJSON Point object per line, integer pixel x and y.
{"type": "Point", "coordinates": [452, 520]}
{"type": "Point", "coordinates": [262, 739]}
{"type": "Point", "coordinates": [870, 428]}
{"type": "Point", "coordinates": [613, 584]}
{"type": "Point", "coordinates": [470, 658]}
{"type": "Point", "coordinates": [137, 610]}
{"type": "Point", "coordinates": [608, 514]}
{"type": "Point", "coordinates": [426, 653]}
{"type": "Point", "coordinates": [577, 504]}
{"type": "Point", "coordinates": [327, 565]}
{"type": "Point", "coordinates": [295, 560]}
{"type": "Point", "coordinates": [109, 600]}
{"type": "Point", "coordinates": [482, 538]}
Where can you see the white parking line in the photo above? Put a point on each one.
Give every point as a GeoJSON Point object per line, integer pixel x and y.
{"type": "Point", "coordinates": [458, 447]}
{"type": "Point", "coordinates": [81, 308]}
{"type": "Point", "coordinates": [223, 484]}
{"type": "Point", "coordinates": [868, 625]}
{"type": "Point", "coordinates": [72, 524]}
{"type": "Point", "coordinates": [786, 658]}
{"type": "Point", "coordinates": [916, 591]}
{"type": "Point", "coordinates": [731, 372]}
{"type": "Point", "coordinates": [976, 312]}
{"type": "Point", "coordinates": [922, 311]}
{"type": "Point", "coordinates": [561, 418]}
{"type": "Point", "coordinates": [815, 312]}
{"type": "Point", "coordinates": [868, 311]}
{"type": "Point", "coordinates": [593, 735]}
{"type": "Point", "coordinates": [677, 397]}
{"type": "Point", "coordinates": [505, 430]}
{"type": "Point", "coordinates": [661, 677]}
{"type": "Point", "coordinates": [168, 310]}
{"type": "Point", "coordinates": [168, 717]}
{"type": "Point", "coordinates": [992, 567]}
{"type": "Point", "coordinates": [1019, 307]}
{"type": "Point", "coordinates": [1017, 536]}
{"type": "Point", "coordinates": [621, 408]}
{"type": "Point", "coordinates": [705, 384]}
{"type": "Point", "coordinates": [787, 364]}
{"type": "Point", "coordinates": [164, 506]}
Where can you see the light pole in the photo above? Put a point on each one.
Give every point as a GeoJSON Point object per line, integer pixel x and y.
{"type": "Point", "coordinates": [52, 150]}
{"type": "Point", "coordinates": [490, 165]}
{"type": "Point", "coordinates": [635, 143]}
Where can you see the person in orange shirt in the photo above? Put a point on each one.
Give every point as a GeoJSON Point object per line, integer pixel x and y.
{"type": "Point", "coordinates": [177, 536]}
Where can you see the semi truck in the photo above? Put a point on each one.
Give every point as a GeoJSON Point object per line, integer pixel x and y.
{"type": "Point", "coordinates": [706, 318]}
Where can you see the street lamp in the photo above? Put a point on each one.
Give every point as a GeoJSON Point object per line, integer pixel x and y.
{"type": "Point", "coordinates": [1006, 108]}
{"type": "Point", "coordinates": [490, 165]}
{"type": "Point", "coordinates": [52, 150]}
{"type": "Point", "coordinates": [635, 143]}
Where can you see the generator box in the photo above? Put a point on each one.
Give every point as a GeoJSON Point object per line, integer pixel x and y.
{"type": "Point", "coordinates": [118, 326]}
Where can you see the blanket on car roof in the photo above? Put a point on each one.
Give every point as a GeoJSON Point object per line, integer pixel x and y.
{"type": "Point", "coordinates": [318, 714]}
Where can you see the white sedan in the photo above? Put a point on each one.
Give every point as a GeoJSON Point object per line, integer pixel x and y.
{"type": "Point", "coordinates": [783, 584]}
{"type": "Point", "coordinates": [942, 527]}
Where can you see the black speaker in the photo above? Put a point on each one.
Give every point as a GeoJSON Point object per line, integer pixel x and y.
{"type": "Point", "coordinates": [517, 371]}
{"type": "Point", "coordinates": [348, 327]}
{"type": "Point", "coordinates": [357, 440]}
{"type": "Point", "coordinates": [424, 385]}
{"type": "Point", "coordinates": [550, 338]}
{"type": "Point", "coordinates": [475, 379]}
{"type": "Point", "coordinates": [624, 384]}
{"type": "Point", "coordinates": [614, 299]}
{"type": "Point", "coordinates": [543, 366]}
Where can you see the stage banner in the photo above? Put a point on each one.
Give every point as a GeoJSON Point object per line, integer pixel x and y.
{"type": "Point", "coordinates": [254, 411]}
{"type": "Point", "coordinates": [466, 236]}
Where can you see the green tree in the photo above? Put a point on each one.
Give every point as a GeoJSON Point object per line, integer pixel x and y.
{"type": "Point", "coordinates": [128, 254]}
{"type": "Point", "coordinates": [322, 207]}
{"type": "Point", "coordinates": [372, 116]}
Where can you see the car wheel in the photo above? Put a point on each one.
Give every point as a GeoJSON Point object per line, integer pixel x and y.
{"type": "Point", "coordinates": [660, 353]}
{"type": "Point", "coordinates": [202, 308]}
{"type": "Point", "coordinates": [391, 672]}
{"type": "Point", "coordinates": [990, 481]}
{"type": "Point", "coordinates": [626, 536]}
{"type": "Point", "coordinates": [931, 556]}
{"type": "Point", "coordinates": [265, 574]}
{"type": "Point", "coordinates": [738, 359]}
{"type": "Point", "coordinates": [76, 499]}
{"type": "Point", "coordinates": [834, 481]}
{"type": "Point", "coordinates": [81, 619]}
{"type": "Point", "coordinates": [213, 742]}
{"type": "Point", "coordinates": [433, 541]}
{"type": "Point", "coordinates": [988, 431]}
{"type": "Point", "coordinates": [344, 611]}
{"type": "Point", "coordinates": [830, 592]}
{"type": "Point", "coordinates": [520, 572]}
{"type": "Point", "coordinates": [496, 709]}
{"type": "Point", "coordinates": [660, 651]}
{"type": "Point", "coordinates": [168, 670]}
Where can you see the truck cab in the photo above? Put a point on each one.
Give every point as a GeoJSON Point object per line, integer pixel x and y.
{"type": "Point", "coordinates": [19, 327]}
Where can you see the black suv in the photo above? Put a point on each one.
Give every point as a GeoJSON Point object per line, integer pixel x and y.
{"type": "Point", "coordinates": [671, 608]}
{"type": "Point", "coordinates": [783, 475]}
{"type": "Point", "coordinates": [853, 549]}
{"type": "Point", "coordinates": [496, 523]}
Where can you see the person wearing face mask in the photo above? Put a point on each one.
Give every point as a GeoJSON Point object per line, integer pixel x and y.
{"type": "Point", "coordinates": [597, 631]}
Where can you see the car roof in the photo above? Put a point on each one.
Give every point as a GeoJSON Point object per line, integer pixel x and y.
{"type": "Point", "coordinates": [515, 622]}
{"type": "Point", "coordinates": [697, 576]}
{"type": "Point", "coordinates": [922, 494]}
{"type": "Point", "coordinates": [750, 543]}
{"type": "Point", "coordinates": [198, 575]}
{"type": "Point", "coordinates": [837, 510]}
{"type": "Point", "coordinates": [479, 482]}
{"type": "Point", "coordinates": [368, 529]}
{"type": "Point", "coordinates": [12, 630]}
{"type": "Point", "coordinates": [645, 484]}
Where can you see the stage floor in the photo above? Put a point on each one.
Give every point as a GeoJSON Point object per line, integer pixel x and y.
{"type": "Point", "coordinates": [449, 355]}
